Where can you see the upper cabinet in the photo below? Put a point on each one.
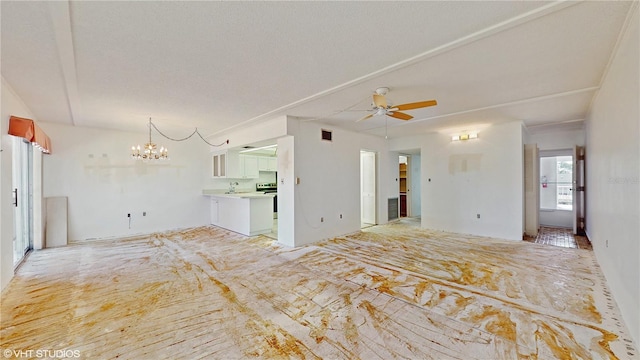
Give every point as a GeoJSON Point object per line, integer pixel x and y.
{"type": "Point", "coordinates": [249, 167]}
{"type": "Point", "coordinates": [267, 163]}
{"type": "Point", "coordinates": [230, 164]}
{"type": "Point", "coordinates": [219, 165]}
{"type": "Point", "coordinates": [226, 164]}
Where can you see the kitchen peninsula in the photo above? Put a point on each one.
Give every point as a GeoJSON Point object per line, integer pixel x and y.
{"type": "Point", "coordinates": [245, 213]}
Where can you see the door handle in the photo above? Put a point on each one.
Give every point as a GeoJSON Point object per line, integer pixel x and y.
{"type": "Point", "coordinates": [15, 197]}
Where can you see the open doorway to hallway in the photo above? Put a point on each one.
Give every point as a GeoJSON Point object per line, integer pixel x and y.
{"type": "Point", "coordinates": [561, 199]}
{"type": "Point", "coordinates": [367, 188]}
{"type": "Point", "coordinates": [409, 185]}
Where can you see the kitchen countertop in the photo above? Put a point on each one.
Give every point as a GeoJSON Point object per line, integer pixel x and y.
{"type": "Point", "coordinates": [238, 195]}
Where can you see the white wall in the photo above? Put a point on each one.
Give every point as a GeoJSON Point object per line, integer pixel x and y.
{"type": "Point", "coordinates": [556, 218]}
{"type": "Point", "coordinates": [286, 191]}
{"type": "Point", "coordinates": [11, 105]}
{"type": "Point", "coordinates": [613, 177]}
{"type": "Point", "coordinates": [416, 186]}
{"type": "Point", "coordinates": [557, 140]}
{"type": "Point", "coordinates": [481, 176]}
{"type": "Point", "coordinates": [329, 175]}
{"type": "Point", "coordinates": [264, 130]}
{"type": "Point", "coordinates": [93, 169]}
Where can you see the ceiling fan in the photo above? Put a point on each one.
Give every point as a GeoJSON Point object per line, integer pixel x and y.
{"type": "Point", "coordinates": [381, 107]}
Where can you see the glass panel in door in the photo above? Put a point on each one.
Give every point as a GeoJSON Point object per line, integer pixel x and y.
{"type": "Point", "coordinates": [23, 203]}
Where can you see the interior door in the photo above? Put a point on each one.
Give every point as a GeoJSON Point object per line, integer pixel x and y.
{"type": "Point", "coordinates": [368, 187]}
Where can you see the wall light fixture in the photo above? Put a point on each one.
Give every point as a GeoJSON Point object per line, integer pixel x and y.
{"type": "Point", "coordinates": [465, 136]}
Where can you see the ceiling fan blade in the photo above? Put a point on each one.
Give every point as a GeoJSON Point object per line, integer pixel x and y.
{"type": "Point", "coordinates": [417, 105]}
{"type": "Point", "coordinates": [379, 101]}
{"type": "Point", "coordinates": [400, 115]}
{"type": "Point", "coordinates": [365, 118]}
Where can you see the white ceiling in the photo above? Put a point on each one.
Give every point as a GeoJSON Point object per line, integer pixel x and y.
{"type": "Point", "coordinates": [221, 65]}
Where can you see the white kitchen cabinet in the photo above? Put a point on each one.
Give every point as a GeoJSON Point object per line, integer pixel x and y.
{"type": "Point", "coordinates": [249, 167]}
{"type": "Point", "coordinates": [267, 163]}
{"type": "Point", "coordinates": [219, 165]}
{"type": "Point", "coordinates": [248, 214]}
{"type": "Point", "coordinates": [226, 164]}
{"type": "Point", "coordinates": [231, 165]}
{"type": "Point", "coordinates": [214, 211]}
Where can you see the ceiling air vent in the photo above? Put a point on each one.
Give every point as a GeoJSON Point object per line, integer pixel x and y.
{"type": "Point", "coordinates": [326, 135]}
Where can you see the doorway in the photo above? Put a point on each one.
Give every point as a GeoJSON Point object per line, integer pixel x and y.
{"type": "Point", "coordinates": [22, 182]}
{"type": "Point", "coordinates": [405, 185]}
{"type": "Point", "coordinates": [367, 188]}
{"type": "Point", "coordinates": [556, 188]}
{"type": "Point", "coordinates": [409, 185]}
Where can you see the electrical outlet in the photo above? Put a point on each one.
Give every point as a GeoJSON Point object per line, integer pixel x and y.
{"type": "Point", "coordinates": [606, 243]}
{"type": "Point", "coordinates": [321, 219]}
{"type": "Point", "coordinates": [478, 216]}
{"type": "Point", "coordinates": [129, 215]}
{"type": "Point", "coordinates": [144, 213]}
{"type": "Point", "coordinates": [340, 216]}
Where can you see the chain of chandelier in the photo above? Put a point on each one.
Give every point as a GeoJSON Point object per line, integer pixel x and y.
{"type": "Point", "coordinates": [150, 151]}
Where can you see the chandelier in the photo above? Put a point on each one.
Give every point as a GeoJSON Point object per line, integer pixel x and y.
{"type": "Point", "coordinates": [150, 150]}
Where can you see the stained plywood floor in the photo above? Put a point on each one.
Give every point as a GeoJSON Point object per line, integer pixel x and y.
{"type": "Point", "coordinates": [392, 291]}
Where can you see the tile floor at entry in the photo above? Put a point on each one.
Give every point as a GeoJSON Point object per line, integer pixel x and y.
{"type": "Point", "coordinates": [561, 237]}
{"type": "Point", "coordinates": [392, 291]}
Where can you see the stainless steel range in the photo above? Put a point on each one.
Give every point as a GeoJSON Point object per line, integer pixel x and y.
{"type": "Point", "coordinates": [270, 188]}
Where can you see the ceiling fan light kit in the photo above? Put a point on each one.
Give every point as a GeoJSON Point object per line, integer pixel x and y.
{"type": "Point", "coordinates": [381, 106]}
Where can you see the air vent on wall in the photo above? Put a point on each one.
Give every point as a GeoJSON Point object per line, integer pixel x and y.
{"type": "Point", "coordinates": [327, 135]}
{"type": "Point", "coordinates": [392, 208]}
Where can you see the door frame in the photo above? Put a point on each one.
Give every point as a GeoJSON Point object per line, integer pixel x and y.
{"type": "Point", "coordinates": [578, 189]}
